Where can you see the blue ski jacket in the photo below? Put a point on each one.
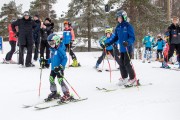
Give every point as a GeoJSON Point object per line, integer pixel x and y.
{"type": "Point", "coordinates": [58, 57]}
{"type": "Point", "coordinates": [68, 35]}
{"type": "Point", "coordinates": [160, 44]}
{"type": "Point", "coordinates": [124, 32]}
{"type": "Point", "coordinates": [148, 41]}
{"type": "Point", "coordinates": [104, 40]}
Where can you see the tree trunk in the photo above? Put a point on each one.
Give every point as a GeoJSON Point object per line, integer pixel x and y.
{"type": "Point", "coordinates": [89, 25]}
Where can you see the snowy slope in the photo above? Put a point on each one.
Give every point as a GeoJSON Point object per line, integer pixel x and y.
{"type": "Point", "coordinates": [160, 101]}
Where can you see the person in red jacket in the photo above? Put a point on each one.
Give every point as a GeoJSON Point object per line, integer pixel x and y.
{"type": "Point", "coordinates": [12, 42]}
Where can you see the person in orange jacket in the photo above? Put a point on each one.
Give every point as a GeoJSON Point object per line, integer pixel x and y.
{"type": "Point", "coordinates": [12, 42]}
{"type": "Point", "coordinates": [68, 39]}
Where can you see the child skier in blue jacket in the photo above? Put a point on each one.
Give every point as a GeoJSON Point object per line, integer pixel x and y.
{"type": "Point", "coordinates": [58, 62]}
{"type": "Point", "coordinates": [160, 44]}
{"type": "Point", "coordinates": [68, 39]}
{"type": "Point", "coordinates": [148, 42]}
{"type": "Point", "coordinates": [104, 40]}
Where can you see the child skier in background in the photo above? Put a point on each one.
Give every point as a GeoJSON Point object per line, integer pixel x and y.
{"type": "Point", "coordinates": [58, 61]}
{"type": "Point", "coordinates": [148, 41]}
{"type": "Point", "coordinates": [160, 44]}
{"type": "Point", "coordinates": [109, 49]}
{"type": "Point", "coordinates": [166, 49]}
{"type": "Point", "coordinates": [68, 39]}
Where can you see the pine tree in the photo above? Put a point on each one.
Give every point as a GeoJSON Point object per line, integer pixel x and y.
{"type": "Point", "coordinates": [88, 14]}
{"type": "Point", "coordinates": [43, 8]}
{"type": "Point", "coordinates": [8, 12]}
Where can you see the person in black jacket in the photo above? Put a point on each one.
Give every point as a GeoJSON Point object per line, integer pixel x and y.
{"type": "Point", "coordinates": [173, 32]}
{"type": "Point", "coordinates": [36, 36]}
{"type": "Point", "coordinates": [46, 30]}
{"type": "Point", "coordinates": [25, 31]}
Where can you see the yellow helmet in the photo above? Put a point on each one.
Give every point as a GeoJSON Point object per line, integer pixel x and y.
{"type": "Point", "coordinates": [109, 30]}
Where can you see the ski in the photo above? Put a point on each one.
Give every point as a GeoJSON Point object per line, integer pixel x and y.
{"type": "Point", "coordinates": [98, 69]}
{"type": "Point", "coordinates": [176, 69]}
{"type": "Point", "coordinates": [31, 105]}
{"type": "Point", "coordinates": [7, 62]}
{"type": "Point", "coordinates": [125, 87]}
{"type": "Point", "coordinates": [107, 70]}
{"type": "Point", "coordinates": [105, 89]}
{"type": "Point", "coordinates": [140, 85]}
{"type": "Point", "coordinates": [56, 103]}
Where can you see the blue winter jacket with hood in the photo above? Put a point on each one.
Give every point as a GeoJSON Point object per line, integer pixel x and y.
{"type": "Point", "coordinates": [124, 32]}
{"type": "Point", "coordinates": [58, 57]}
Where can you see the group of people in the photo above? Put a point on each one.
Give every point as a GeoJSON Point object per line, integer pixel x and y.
{"type": "Point", "coordinates": [32, 34]}
{"type": "Point", "coordinates": [31, 31]}
{"type": "Point", "coordinates": [166, 46]}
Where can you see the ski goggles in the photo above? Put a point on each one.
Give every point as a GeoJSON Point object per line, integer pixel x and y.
{"type": "Point", "coordinates": [51, 42]}
{"type": "Point", "coordinates": [26, 14]}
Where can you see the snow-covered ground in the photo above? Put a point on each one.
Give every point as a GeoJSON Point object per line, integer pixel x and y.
{"type": "Point", "coordinates": [160, 101]}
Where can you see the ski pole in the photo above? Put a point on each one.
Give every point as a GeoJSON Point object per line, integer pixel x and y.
{"type": "Point", "coordinates": [40, 79]}
{"type": "Point", "coordinates": [114, 52]}
{"type": "Point", "coordinates": [103, 62]}
{"type": "Point", "coordinates": [69, 55]}
{"type": "Point", "coordinates": [71, 87]}
{"type": "Point", "coordinates": [132, 66]}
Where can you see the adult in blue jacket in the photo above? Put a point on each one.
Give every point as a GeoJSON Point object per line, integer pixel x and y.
{"type": "Point", "coordinates": [160, 44]}
{"type": "Point", "coordinates": [124, 34]}
{"type": "Point", "coordinates": [58, 62]}
{"type": "Point", "coordinates": [108, 50]}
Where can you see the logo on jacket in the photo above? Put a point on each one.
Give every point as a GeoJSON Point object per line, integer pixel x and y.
{"type": "Point", "coordinates": [55, 53]}
{"type": "Point", "coordinates": [125, 29]}
{"type": "Point", "coordinates": [67, 33]}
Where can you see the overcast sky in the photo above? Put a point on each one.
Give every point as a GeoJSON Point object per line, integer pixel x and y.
{"type": "Point", "coordinates": [62, 5]}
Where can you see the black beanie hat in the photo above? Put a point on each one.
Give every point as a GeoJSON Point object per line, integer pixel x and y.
{"type": "Point", "coordinates": [36, 15]}
{"type": "Point", "coordinates": [48, 19]}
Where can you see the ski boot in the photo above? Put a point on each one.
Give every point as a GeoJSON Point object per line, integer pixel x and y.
{"type": "Point", "coordinates": [53, 95]}
{"type": "Point", "coordinates": [179, 66]}
{"type": "Point", "coordinates": [157, 59]}
{"type": "Point", "coordinates": [122, 81]}
{"type": "Point", "coordinates": [30, 65]}
{"type": "Point", "coordinates": [130, 83]}
{"type": "Point", "coordinates": [143, 61]}
{"type": "Point", "coordinates": [97, 66]}
{"type": "Point", "coordinates": [165, 65]}
{"type": "Point", "coordinates": [75, 63]}
{"type": "Point", "coordinates": [67, 97]}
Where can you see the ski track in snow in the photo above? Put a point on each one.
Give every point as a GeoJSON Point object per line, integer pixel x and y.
{"type": "Point", "coordinates": [160, 101]}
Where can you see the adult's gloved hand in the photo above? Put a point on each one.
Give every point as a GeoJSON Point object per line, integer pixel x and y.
{"type": "Point", "coordinates": [125, 43]}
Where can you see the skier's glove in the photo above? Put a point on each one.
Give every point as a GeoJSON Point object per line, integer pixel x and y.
{"type": "Point", "coordinates": [58, 68]}
{"type": "Point", "coordinates": [43, 61]}
{"type": "Point", "coordinates": [105, 45]}
{"type": "Point", "coordinates": [125, 44]}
